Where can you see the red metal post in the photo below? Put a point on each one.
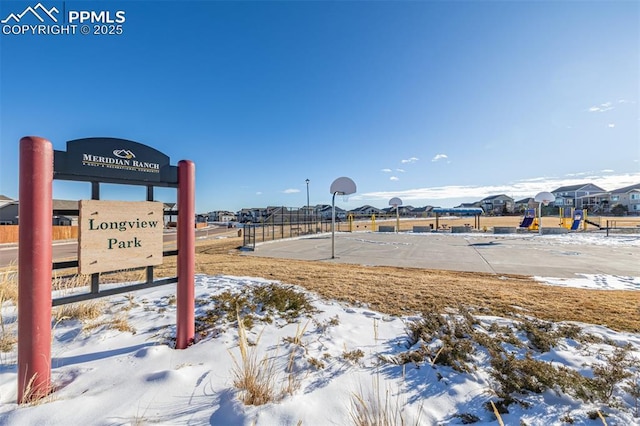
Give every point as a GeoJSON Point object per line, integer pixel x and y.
{"type": "Point", "coordinates": [185, 333]}
{"type": "Point", "coordinates": [34, 268]}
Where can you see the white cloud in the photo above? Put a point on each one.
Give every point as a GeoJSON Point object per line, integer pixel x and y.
{"type": "Point", "coordinates": [611, 125]}
{"type": "Point", "coordinates": [401, 170]}
{"type": "Point", "coordinates": [607, 106]}
{"type": "Point", "coordinates": [394, 178]}
{"type": "Point", "coordinates": [291, 191]}
{"type": "Point", "coordinates": [258, 193]}
{"type": "Point", "coordinates": [409, 160]}
{"type": "Point", "coordinates": [386, 170]}
{"type": "Point", "coordinates": [518, 189]}
{"type": "Point", "coordinates": [439, 157]}
{"type": "Point", "coordinates": [577, 174]}
{"type": "Point", "coordinates": [607, 171]}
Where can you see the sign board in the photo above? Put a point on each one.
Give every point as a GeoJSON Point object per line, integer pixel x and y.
{"type": "Point", "coordinates": [113, 160]}
{"type": "Point", "coordinates": [116, 235]}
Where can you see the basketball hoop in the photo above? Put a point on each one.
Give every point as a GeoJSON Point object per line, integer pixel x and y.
{"type": "Point", "coordinates": [544, 198]}
{"type": "Point", "coordinates": [342, 186]}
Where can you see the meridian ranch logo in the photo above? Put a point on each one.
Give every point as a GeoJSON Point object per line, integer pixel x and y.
{"type": "Point", "coordinates": [43, 20]}
{"type": "Point", "coordinates": [123, 159]}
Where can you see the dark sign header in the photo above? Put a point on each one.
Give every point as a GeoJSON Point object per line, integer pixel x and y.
{"type": "Point", "coordinates": [113, 160]}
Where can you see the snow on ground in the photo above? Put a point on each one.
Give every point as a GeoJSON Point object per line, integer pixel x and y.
{"type": "Point", "coordinates": [595, 281]}
{"type": "Point", "coordinates": [598, 238]}
{"type": "Point", "coordinates": [322, 365]}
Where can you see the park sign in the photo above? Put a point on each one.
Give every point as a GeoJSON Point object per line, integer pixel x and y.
{"type": "Point", "coordinates": [113, 160]}
{"type": "Point", "coordinates": [115, 235]}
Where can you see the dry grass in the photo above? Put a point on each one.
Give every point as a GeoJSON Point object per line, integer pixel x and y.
{"type": "Point", "coordinates": [8, 338]}
{"type": "Point", "coordinates": [8, 293]}
{"type": "Point", "coordinates": [378, 407]}
{"type": "Point", "coordinates": [116, 322]}
{"type": "Point", "coordinates": [9, 283]}
{"type": "Point", "coordinates": [254, 378]}
{"type": "Point", "coordinates": [415, 289]}
{"type": "Point", "coordinates": [81, 311]}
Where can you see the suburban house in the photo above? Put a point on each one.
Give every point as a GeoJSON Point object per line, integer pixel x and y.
{"type": "Point", "coordinates": [628, 196]}
{"type": "Point", "coordinates": [468, 205]}
{"type": "Point", "coordinates": [422, 211]}
{"type": "Point", "coordinates": [365, 210]}
{"type": "Point", "coordinates": [64, 212]}
{"type": "Point", "coordinates": [251, 214]}
{"type": "Point", "coordinates": [8, 211]}
{"type": "Point", "coordinates": [497, 204]}
{"type": "Point", "coordinates": [579, 196]}
{"type": "Point", "coordinates": [324, 211]}
{"type": "Point", "coordinates": [524, 204]}
{"type": "Point", "coordinates": [221, 216]}
{"type": "Point", "coordinates": [169, 217]}
{"type": "Point", "coordinates": [402, 210]}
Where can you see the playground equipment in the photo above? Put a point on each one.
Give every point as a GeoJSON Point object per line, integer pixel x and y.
{"type": "Point", "coordinates": [350, 221]}
{"type": "Point", "coordinates": [571, 218]}
{"type": "Point", "coordinates": [373, 223]}
{"type": "Point", "coordinates": [530, 221]}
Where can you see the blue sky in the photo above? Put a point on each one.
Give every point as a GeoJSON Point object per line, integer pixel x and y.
{"type": "Point", "coordinates": [434, 102]}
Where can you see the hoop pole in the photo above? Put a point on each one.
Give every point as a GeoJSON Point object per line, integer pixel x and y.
{"type": "Point", "coordinates": [333, 225]}
{"type": "Point", "coordinates": [34, 268]}
{"type": "Point", "coordinates": [540, 216]}
{"type": "Point", "coordinates": [185, 327]}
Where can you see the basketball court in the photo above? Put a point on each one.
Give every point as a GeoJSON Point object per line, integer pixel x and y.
{"type": "Point", "coordinates": [547, 255]}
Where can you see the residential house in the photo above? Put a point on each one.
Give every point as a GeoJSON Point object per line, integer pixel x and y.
{"type": "Point", "coordinates": [365, 211]}
{"type": "Point", "coordinates": [422, 211]}
{"type": "Point", "coordinates": [497, 204]}
{"type": "Point", "coordinates": [473, 205]}
{"type": "Point", "coordinates": [5, 200]}
{"type": "Point", "coordinates": [221, 216]}
{"type": "Point", "coordinates": [324, 212]}
{"type": "Point", "coordinates": [65, 212]}
{"type": "Point", "coordinates": [524, 204]}
{"type": "Point", "coordinates": [252, 214]}
{"type": "Point", "coordinates": [8, 211]}
{"type": "Point", "coordinates": [628, 196]}
{"type": "Point", "coordinates": [169, 216]}
{"type": "Point", "coordinates": [402, 210]}
{"type": "Point", "coordinates": [576, 196]}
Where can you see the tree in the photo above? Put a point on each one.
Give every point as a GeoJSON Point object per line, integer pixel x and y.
{"type": "Point", "coordinates": [619, 210]}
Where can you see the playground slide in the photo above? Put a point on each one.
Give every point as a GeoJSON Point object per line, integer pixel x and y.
{"type": "Point", "coordinates": [526, 222]}
{"type": "Point", "coordinates": [575, 225]}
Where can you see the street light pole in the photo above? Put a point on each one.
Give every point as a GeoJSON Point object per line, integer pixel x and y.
{"type": "Point", "coordinates": [307, 211]}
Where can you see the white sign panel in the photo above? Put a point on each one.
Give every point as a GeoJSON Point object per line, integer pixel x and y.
{"type": "Point", "coordinates": [116, 235]}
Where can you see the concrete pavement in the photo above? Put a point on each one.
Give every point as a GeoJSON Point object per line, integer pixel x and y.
{"type": "Point", "coordinates": [546, 255]}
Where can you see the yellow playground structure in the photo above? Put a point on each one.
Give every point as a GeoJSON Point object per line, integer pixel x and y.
{"type": "Point", "coordinates": [573, 219]}
{"type": "Point", "coordinates": [570, 218]}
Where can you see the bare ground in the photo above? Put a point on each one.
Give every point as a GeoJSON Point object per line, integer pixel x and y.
{"type": "Point", "coordinates": [403, 291]}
